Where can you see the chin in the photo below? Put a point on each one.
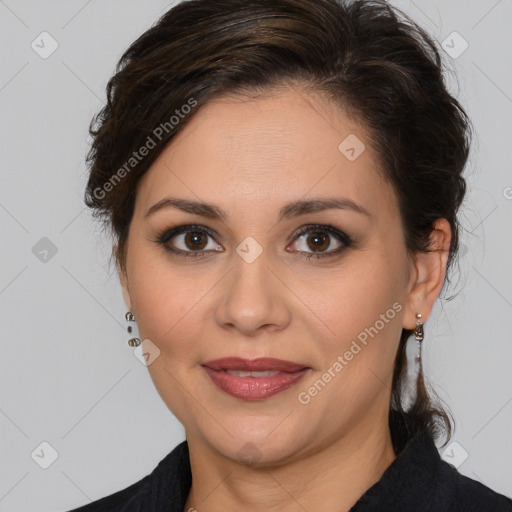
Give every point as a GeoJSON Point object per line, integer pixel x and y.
{"type": "Point", "coordinates": [256, 445]}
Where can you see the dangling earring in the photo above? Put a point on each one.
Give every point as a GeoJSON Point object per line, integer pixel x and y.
{"type": "Point", "coordinates": [418, 334]}
{"type": "Point", "coordinates": [130, 317]}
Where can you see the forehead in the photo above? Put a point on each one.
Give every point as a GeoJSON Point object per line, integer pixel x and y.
{"type": "Point", "coordinates": [270, 149]}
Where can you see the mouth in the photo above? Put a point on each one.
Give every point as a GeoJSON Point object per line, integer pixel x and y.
{"type": "Point", "coordinates": [254, 379]}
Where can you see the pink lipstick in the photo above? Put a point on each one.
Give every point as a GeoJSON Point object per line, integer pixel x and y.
{"type": "Point", "coordinates": [254, 379]}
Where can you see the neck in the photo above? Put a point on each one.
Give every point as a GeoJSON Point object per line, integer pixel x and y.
{"type": "Point", "coordinates": [335, 476]}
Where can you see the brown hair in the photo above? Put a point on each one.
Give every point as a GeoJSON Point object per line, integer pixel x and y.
{"type": "Point", "coordinates": [365, 55]}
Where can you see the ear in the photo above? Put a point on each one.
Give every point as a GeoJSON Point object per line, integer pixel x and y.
{"type": "Point", "coordinates": [123, 278]}
{"type": "Point", "coordinates": [428, 276]}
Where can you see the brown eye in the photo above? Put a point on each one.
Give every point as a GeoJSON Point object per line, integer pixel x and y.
{"type": "Point", "coordinates": [189, 241]}
{"type": "Point", "coordinates": [318, 241]}
{"type": "Point", "coordinates": [195, 240]}
{"type": "Point", "coordinates": [314, 241]}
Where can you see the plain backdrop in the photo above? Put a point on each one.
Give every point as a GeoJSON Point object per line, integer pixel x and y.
{"type": "Point", "coordinates": [69, 380]}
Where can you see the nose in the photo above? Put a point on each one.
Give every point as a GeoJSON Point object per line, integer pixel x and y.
{"type": "Point", "coordinates": [254, 299]}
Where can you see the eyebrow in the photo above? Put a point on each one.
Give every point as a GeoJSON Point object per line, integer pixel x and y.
{"type": "Point", "coordinates": [288, 211]}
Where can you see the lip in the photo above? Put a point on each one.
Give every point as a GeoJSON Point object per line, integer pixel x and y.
{"type": "Point", "coordinates": [254, 365]}
{"type": "Point", "coordinates": [254, 388]}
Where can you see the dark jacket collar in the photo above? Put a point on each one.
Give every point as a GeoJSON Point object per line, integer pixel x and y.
{"type": "Point", "coordinates": [409, 480]}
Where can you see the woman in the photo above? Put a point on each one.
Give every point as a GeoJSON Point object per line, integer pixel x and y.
{"type": "Point", "coordinates": [283, 179]}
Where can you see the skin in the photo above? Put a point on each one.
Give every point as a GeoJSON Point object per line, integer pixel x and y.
{"type": "Point", "coordinates": [250, 156]}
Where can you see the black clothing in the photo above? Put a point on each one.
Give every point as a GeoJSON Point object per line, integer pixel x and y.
{"type": "Point", "coordinates": [418, 480]}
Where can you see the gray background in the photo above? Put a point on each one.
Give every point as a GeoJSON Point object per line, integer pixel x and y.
{"type": "Point", "coordinates": [68, 376]}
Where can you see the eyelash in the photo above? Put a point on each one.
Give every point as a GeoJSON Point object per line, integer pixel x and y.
{"type": "Point", "coordinates": [164, 237]}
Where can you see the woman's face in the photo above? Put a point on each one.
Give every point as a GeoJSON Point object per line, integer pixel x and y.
{"type": "Point", "coordinates": [243, 286]}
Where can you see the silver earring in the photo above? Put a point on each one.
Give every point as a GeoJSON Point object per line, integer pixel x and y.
{"type": "Point", "coordinates": [418, 334]}
{"type": "Point", "coordinates": [130, 317]}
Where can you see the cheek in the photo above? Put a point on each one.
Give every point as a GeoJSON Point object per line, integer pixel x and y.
{"type": "Point", "coordinates": [355, 297]}
{"type": "Point", "coordinates": [360, 312]}
{"type": "Point", "coordinates": [163, 300]}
